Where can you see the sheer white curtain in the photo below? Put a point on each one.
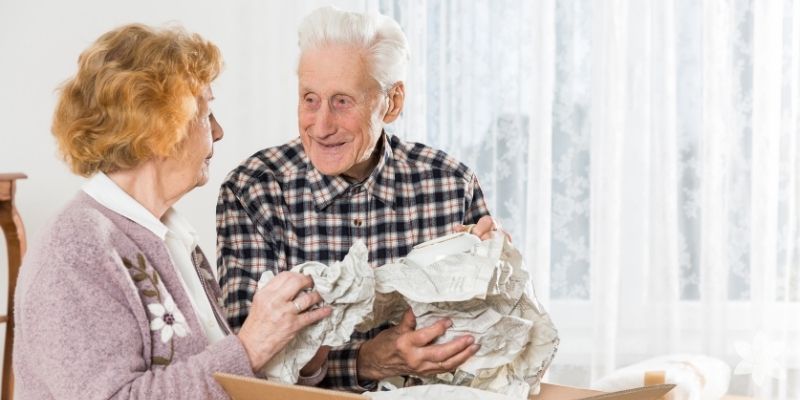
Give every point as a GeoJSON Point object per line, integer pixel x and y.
{"type": "Point", "coordinates": [644, 154]}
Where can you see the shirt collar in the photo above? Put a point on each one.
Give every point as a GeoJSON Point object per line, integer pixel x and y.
{"type": "Point", "coordinates": [106, 192]}
{"type": "Point", "coordinates": [380, 183]}
{"type": "Point", "coordinates": [181, 229]}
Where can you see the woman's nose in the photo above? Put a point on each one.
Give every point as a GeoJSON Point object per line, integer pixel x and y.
{"type": "Point", "coordinates": [216, 129]}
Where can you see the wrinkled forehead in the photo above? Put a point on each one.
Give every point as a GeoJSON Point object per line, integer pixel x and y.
{"type": "Point", "coordinates": [335, 69]}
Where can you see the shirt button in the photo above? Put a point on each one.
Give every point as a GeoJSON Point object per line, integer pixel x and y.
{"type": "Point", "coordinates": [357, 222]}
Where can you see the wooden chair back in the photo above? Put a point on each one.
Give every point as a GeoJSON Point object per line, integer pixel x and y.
{"type": "Point", "coordinates": [15, 244]}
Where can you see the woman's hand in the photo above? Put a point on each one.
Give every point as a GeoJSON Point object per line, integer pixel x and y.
{"type": "Point", "coordinates": [278, 312]}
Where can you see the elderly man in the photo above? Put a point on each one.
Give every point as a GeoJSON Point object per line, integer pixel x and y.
{"type": "Point", "coordinates": [345, 179]}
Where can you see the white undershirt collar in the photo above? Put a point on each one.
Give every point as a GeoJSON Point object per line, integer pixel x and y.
{"type": "Point", "coordinates": [101, 188]}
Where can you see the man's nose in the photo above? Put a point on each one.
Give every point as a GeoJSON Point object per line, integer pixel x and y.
{"type": "Point", "coordinates": [325, 121]}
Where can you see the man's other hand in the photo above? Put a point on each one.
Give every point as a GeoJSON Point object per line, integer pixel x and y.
{"type": "Point", "coordinates": [404, 350]}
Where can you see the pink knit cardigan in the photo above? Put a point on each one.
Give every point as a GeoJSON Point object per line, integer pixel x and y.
{"type": "Point", "coordinates": [101, 314]}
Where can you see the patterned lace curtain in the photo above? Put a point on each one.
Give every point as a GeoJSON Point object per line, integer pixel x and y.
{"type": "Point", "coordinates": [644, 156]}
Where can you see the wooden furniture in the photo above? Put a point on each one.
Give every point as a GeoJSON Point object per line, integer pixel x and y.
{"type": "Point", "coordinates": [15, 243]}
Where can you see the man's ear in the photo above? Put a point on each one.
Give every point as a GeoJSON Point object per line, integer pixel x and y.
{"type": "Point", "coordinates": [397, 95]}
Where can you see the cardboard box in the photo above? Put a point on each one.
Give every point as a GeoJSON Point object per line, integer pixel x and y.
{"type": "Point", "coordinates": [242, 388]}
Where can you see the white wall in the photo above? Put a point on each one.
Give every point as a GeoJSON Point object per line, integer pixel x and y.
{"type": "Point", "coordinates": [40, 42]}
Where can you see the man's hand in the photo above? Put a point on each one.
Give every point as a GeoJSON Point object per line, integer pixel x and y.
{"type": "Point", "coordinates": [484, 229]}
{"type": "Point", "coordinates": [403, 350]}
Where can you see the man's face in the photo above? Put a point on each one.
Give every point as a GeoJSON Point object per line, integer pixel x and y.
{"type": "Point", "coordinates": [340, 110]}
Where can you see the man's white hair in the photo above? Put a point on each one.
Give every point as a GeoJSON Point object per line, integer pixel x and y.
{"type": "Point", "coordinates": [385, 44]}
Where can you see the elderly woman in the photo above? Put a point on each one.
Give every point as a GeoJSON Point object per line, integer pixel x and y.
{"type": "Point", "coordinates": [116, 300]}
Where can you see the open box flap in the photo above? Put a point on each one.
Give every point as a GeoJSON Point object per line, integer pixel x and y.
{"type": "Point", "coordinates": [558, 392]}
{"type": "Point", "coordinates": [243, 388]}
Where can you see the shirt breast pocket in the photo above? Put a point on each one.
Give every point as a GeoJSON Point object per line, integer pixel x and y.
{"type": "Point", "coordinates": [393, 234]}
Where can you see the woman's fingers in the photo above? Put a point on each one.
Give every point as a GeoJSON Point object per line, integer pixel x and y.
{"type": "Point", "coordinates": [279, 311]}
{"type": "Point", "coordinates": [312, 316]}
{"type": "Point", "coordinates": [287, 285]}
{"type": "Point", "coordinates": [288, 292]}
{"type": "Point", "coordinates": [306, 300]}
{"type": "Point", "coordinates": [284, 297]}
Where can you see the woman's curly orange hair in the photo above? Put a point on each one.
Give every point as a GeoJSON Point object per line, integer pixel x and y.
{"type": "Point", "coordinates": [133, 97]}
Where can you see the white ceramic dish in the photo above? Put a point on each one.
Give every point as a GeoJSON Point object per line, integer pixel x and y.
{"type": "Point", "coordinates": [434, 250]}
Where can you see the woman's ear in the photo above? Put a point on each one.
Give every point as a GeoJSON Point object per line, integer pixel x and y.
{"type": "Point", "coordinates": [397, 95]}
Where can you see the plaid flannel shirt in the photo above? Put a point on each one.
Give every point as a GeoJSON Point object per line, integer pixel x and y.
{"type": "Point", "coordinates": [276, 211]}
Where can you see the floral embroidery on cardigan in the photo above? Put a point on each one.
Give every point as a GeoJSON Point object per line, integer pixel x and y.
{"type": "Point", "coordinates": [169, 320]}
{"type": "Point", "coordinates": [166, 317]}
